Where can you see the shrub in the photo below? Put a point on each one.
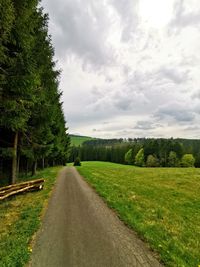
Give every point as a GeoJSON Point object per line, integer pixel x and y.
{"type": "Point", "coordinates": [172, 159]}
{"type": "Point", "coordinates": [77, 162]}
{"type": "Point", "coordinates": [152, 161]}
{"type": "Point", "coordinates": [187, 160]}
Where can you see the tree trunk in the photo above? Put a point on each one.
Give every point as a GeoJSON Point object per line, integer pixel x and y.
{"type": "Point", "coordinates": [14, 159]}
{"type": "Point", "coordinates": [43, 163]}
{"type": "Point", "coordinates": [27, 167]}
{"type": "Point", "coordinates": [34, 167]}
{"type": "Point", "coordinates": [1, 167]}
{"type": "Point", "coordinates": [18, 163]}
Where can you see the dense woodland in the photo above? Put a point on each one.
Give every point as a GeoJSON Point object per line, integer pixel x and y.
{"type": "Point", "coordinates": [141, 151]}
{"type": "Point", "coordinates": [32, 125]}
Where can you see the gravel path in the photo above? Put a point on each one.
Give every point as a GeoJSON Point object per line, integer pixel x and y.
{"type": "Point", "coordinates": [79, 230]}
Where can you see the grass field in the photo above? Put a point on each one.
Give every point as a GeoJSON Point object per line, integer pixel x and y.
{"type": "Point", "coordinates": [20, 219]}
{"type": "Point", "coordinates": [161, 204]}
{"type": "Point", "coordinates": [77, 140]}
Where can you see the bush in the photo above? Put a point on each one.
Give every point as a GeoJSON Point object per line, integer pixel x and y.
{"type": "Point", "coordinates": [152, 161]}
{"type": "Point", "coordinates": [172, 159]}
{"type": "Point", "coordinates": [77, 162]}
{"type": "Point", "coordinates": [187, 160]}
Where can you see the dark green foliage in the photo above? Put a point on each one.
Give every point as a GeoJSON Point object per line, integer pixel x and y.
{"type": "Point", "coordinates": [197, 160]}
{"type": "Point", "coordinates": [77, 162]}
{"type": "Point", "coordinates": [32, 123]}
{"type": "Point", "coordinates": [6, 23]}
{"type": "Point", "coordinates": [103, 142]}
{"type": "Point", "coordinates": [114, 150]}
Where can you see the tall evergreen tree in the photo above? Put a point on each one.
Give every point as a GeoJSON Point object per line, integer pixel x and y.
{"type": "Point", "coordinates": [17, 91]}
{"type": "Point", "coordinates": [32, 124]}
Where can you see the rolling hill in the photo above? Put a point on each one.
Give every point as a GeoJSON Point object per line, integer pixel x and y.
{"type": "Point", "coordinates": [77, 140]}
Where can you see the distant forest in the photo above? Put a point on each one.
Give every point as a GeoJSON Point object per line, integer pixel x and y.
{"type": "Point", "coordinates": [32, 125]}
{"type": "Point", "coordinates": [141, 151]}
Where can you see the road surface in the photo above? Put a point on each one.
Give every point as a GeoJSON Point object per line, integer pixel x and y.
{"type": "Point", "coordinates": [79, 230]}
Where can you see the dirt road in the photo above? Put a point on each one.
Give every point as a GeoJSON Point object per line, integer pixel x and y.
{"type": "Point", "coordinates": [79, 230]}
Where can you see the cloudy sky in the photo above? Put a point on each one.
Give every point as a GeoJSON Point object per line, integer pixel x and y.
{"type": "Point", "coordinates": [130, 68]}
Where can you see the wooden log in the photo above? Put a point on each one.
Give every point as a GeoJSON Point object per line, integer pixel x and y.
{"type": "Point", "coordinates": [3, 192]}
{"type": "Point", "coordinates": [10, 189]}
{"type": "Point", "coordinates": [21, 190]}
{"type": "Point", "coordinates": [5, 188]}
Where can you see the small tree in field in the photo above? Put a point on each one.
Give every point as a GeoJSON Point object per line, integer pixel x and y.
{"type": "Point", "coordinates": [152, 161]}
{"type": "Point", "coordinates": [187, 160]}
{"type": "Point", "coordinates": [172, 159]}
{"type": "Point", "coordinates": [139, 158]}
{"type": "Point", "coordinates": [77, 162]}
{"type": "Point", "coordinates": [128, 157]}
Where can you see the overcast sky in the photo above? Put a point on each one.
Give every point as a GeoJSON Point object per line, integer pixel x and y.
{"type": "Point", "coordinates": [130, 68]}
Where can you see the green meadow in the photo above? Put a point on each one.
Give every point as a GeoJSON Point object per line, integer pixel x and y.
{"type": "Point", "coordinates": [161, 204]}
{"type": "Point", "coordinates": [77, 140]}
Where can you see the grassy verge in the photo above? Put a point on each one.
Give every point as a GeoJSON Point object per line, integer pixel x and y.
{"type": "Point", "coordinates": [20, 219]}
{"type": "Point", "coordinates": [161, 204]}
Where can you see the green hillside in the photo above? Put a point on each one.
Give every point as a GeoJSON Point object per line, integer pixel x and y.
{"type": "Point", "coordinates": [77, 140]}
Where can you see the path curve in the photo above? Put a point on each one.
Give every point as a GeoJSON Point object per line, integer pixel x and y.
{"type": "Point", "coordinates": [79, 230]}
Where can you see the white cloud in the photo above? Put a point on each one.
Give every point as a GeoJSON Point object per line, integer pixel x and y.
{"type": "Point", "coordinates": [186, 14]}
{"type": "Point", "coordinates": [131, 64]}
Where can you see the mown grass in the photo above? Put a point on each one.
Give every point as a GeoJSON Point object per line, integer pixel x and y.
{"type": "Point", "coordinates": [19, 220]}
{"type": "Point", "coordinates": [161, 204]}
{"type": "Point", "coordinates": [78, 140]}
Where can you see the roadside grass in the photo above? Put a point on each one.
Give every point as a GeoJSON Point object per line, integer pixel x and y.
{"type": "Point", "coordinates": [20, 218]}
{"type": "Point", "coordinates": [161, 204]}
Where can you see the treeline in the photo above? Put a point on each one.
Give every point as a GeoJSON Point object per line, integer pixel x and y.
{"type": "Point", "coordinates": [140, 151]}
{"type": "Point", "coordinates": [32, 125]}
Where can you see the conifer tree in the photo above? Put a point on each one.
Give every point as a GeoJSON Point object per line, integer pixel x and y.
{"type": "Point", "coordinates": [17, 91]}
{"type": "Point", "coordinates": [32, 123]}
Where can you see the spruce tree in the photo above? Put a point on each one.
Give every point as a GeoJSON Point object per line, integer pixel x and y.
{"type": "Point", "coordinates": [17, 90]}
{"type": "Point", "coordinates": [32, 123]}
